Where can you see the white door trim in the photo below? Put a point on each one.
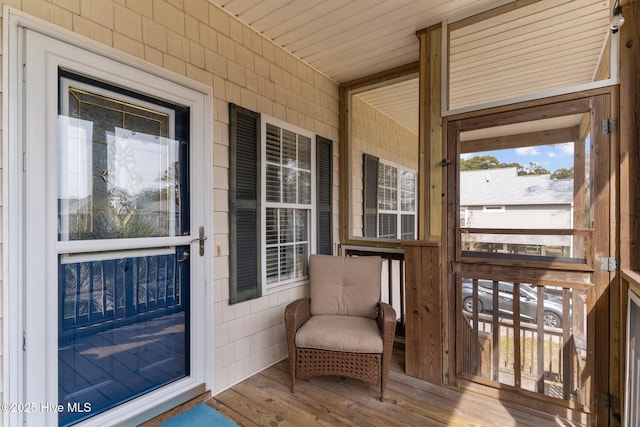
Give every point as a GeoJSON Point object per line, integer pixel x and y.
{"type": "Point", "coordinates": [63, 48]}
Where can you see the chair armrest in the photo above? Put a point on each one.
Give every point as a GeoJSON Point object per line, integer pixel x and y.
{"type": "Point", "coordinates": [386, 321]}
{"type": "Point", "coordinates": [387, 325]}
{"type": "Point", "coordinates": [296, 314]}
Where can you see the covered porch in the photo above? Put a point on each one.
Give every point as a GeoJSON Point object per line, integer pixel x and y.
{"type": "Point", "coordinates": [305, 130]}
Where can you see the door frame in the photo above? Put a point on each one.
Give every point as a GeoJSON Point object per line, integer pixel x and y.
{"type": "Point", "coordinates": [22, 343]}
{"type": "Point", "coordinates": [604, 238]}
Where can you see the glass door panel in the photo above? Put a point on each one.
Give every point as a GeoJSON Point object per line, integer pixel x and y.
{"type": "Point", "coordinates": [123, 264]}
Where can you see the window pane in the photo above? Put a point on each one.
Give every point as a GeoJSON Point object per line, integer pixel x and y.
{"type": "Point", "coordinates": [408, 224]}
{"type": "Point", "coordinates": [387, 187]}
{"type": "Point", "coordinates": [289, 148]}
{"type": "Point", "coordinates": [273, 144]}
{"type": "Point", "coordinates": [272, 265]}
{"type": "Point", "coordinates": [271, 223]}
{"type": "Point", "coordinates": [301, 225]}
{"type": "Point", "coordinates": [387, 226]}
{"type": "Point", "coordinates": [108, 307]}
{"type": "Point", "coordinates": [389, 199]}
{"type": "Point", "coordinates": [286, 262]}
{"type": "Point", "coordinates": [408, 188]}
{"type": "Point", "coordinates": [286, 225]}
{"type": "Point", "coordinates": [304, 152]}
{"type": "Point", "coordinates": [284, 253]}
{"type": "Point", "coordinates": [301, 260]}
{"type": "Point", "coordinates": [273, 184]}
{"type": "Point", "coordinates": [119, 171]}
{"type": "Point", "coordinates": [290, 177]}
{"type": "Point", "coordinates": [304, 187]}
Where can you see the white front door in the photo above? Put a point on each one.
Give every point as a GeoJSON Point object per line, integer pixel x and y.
{"type": "Point", "coordinates": [115, 252]}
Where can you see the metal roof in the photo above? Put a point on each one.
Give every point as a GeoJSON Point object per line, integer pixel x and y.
{"type": "Point", "coordinates": [504, 187]}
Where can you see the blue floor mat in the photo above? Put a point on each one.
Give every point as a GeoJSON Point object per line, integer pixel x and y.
{"type": "Point", "coordinates": [201, 415]}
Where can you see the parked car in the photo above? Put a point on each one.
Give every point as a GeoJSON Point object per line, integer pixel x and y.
{"type": "Point", "coordinates": [552, 309]}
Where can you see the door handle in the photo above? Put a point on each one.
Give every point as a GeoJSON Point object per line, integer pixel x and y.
{"type": "Point", "coordinates": [185, 256]}
{"type": "Point", "coordinates": [201, 238]}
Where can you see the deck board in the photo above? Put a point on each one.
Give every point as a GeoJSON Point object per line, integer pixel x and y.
{"type": "Point", "coordinates": [266, 399]}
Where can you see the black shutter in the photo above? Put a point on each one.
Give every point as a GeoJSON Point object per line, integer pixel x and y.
{"type": "Point", "coordinates": [370, 195]}
{"type": "Point", "coordinates": [324, 183]}
{"type": "Point", "coordinates": [244, 205]}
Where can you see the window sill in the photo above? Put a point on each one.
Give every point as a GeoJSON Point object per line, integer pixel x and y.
{"type": "Point", "coordinates": [279, 287]}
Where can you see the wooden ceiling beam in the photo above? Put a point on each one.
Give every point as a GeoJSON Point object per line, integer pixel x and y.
{"type": "Point", "coordinates": [546, 137]}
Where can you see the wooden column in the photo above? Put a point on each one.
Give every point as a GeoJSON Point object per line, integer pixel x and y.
{"type": "Point", "coordinates": [424, 323]}
{"type": "Point", "coordinates": [430, 134]}
{"type": "Point", "coordinates": [425, 287]}
{"type": "Point", "coordinates": [630, 137]}
{"type": "Point", "coordinates": [629, 134]}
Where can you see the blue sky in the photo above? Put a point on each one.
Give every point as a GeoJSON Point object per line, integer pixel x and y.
{"type": "Point", "coordinates": [550, 157]}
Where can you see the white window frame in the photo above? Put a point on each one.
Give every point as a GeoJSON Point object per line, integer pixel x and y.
{"type": "Point", "coordinates": [30, 330]}
{"type": "Point", "coordinates": [415, 202]}
{"type": "Point", "coordinates": [398, 212]}
{"type": "Point", "coordinates": [464, 216]}
{"type": "Point", "coordinates": [268, 288]}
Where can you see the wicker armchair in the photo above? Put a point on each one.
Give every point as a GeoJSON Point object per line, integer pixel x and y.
{"type": "Point", "coordinates": [342, 329]}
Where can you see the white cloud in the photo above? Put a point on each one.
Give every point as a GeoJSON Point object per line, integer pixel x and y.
{"type": "Point", "coordinates": [566, 148]}
{"type": "Point", "coordinates": [527, 151]}
{"type": "Point", "coordinates": [552, 154]}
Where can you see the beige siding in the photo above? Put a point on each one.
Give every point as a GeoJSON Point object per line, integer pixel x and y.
{"type": "Point", "coordinates": [374, 133]}
{"type": "Point", "coordinates": [522, 216]}
{"type": "Point", "coordinates": [196, 39]}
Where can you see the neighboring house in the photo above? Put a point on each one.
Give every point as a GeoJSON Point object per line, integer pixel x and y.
{"type": "Point", "coordinates": [500, 198]}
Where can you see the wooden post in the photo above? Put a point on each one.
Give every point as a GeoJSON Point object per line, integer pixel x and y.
{"type": "Point", "coordinates": [430, 134]}
{"type": "Point", "coordinates": [629, 137]}
{"type": "Point", "coordinates": [424, 323]}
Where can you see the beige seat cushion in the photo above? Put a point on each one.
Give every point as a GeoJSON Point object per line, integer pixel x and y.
{"type": "Point", "coordinates": [348, 286]}
{"type": "Point", "coordinates": [340, 333]}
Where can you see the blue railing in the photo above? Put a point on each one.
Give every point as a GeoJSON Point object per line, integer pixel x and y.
{"type": "Point", "coordinates": [93, 293]}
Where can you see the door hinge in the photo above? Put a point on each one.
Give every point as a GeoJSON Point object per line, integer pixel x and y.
{"type": "Point", "coordinates": [608, 264]}
{"type": "Point", "coordinates": [24, 341]}
{"type": "Point", "coordinates": [608, 401]}
{"type": "Point", "coordinates": [610, 125]}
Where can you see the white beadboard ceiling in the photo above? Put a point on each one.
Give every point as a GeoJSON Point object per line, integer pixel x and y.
{"type": "Point", "coordinates": [347, 39]}
{"type": "Point", "coordinates": [545, 45]}
{"type": "Point", "coordinates": [398, 100]}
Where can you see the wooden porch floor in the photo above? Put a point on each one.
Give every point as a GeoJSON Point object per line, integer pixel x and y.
{"type": "Point", "coordinates": [266, 399]}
